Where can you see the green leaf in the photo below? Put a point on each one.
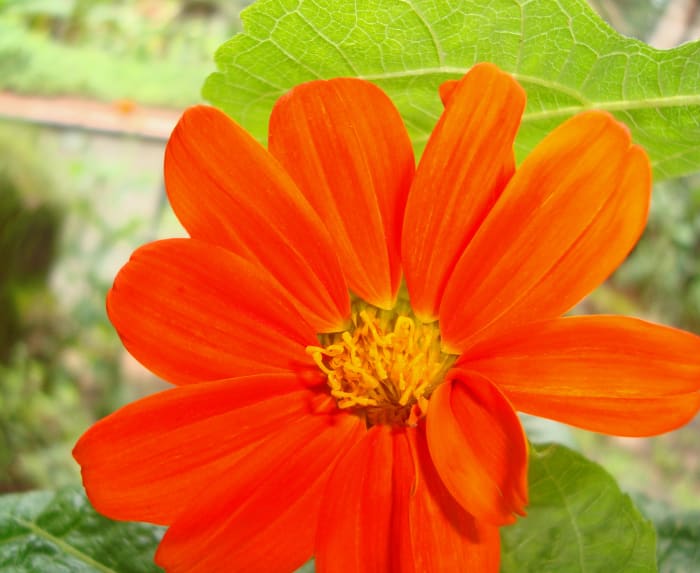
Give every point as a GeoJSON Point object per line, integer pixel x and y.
{"type": "Point", "coordinates": [309, 567]}
{"type": "Point", "coordinates": [45, 532]}
{"type": "Point", "coordinates": [566, 57]}
{"type": "Point", "coordinates": [578, 521]}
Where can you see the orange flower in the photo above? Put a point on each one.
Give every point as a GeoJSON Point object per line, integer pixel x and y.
{"type": "Point", "coordinates": [376, 431]}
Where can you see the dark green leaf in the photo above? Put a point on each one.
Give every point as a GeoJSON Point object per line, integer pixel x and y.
{"type": "Point", "coordinates": [44, 532]}
{"type": "Point", "coordinates": [578, 521]}
{"type": "Point", "coordinates": [679, 543]}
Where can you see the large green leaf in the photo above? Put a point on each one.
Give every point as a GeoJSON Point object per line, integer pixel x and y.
{"type": "Point", "coordinates": [43, 532]}
{"type": "Point", "coordinates": [567, 58]}
{"type": "Point", "coordinates": [578, 521]}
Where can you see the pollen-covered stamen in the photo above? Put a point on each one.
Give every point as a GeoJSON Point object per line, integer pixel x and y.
{"type": "Point", "coordinates": [387, 364]}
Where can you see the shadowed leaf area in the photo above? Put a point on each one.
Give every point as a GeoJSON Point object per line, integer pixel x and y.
{"type": "Point", "coordinates": [45, 532]}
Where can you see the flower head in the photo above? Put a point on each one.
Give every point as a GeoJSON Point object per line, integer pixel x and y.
{"type": "Point", "coordinates": [350, 336]}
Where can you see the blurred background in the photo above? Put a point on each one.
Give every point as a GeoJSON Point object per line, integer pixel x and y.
{"type": "Point", "coordinates": [89, 91]}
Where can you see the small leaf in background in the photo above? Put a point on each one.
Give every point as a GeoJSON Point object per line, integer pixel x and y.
{"type": "Point", "coordinates": [678, 534]}
{"type": "Point", "coordinates": [565, 56]}
{"type": "Point", "coordinates": [46, 532]}
{"type": "Point", "coordinates": [309, 567]}
{"type": "Point", "coordinates": [578, 521]}
{"type": "Point", "coordinates": [679, 542]}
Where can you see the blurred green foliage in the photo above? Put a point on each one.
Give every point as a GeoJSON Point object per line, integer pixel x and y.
{"type": "Point", "coordinates": [637, 18]}
{"type": "Point", "coordinates": [29, 227]}
{"type": "Point", "coordinates": [30, 221]}
{"type": "Point", "coordinates": [74, 199]}
{"type": "Point", "coordinates": [662, 276]}
{"type": "Point", "coordinates": [153, 52]}
{"type": "Point", "coordinates": [65, 369]}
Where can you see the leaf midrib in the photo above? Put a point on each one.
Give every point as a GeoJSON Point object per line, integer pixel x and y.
{"type": "Point", "coordinates": [567, 507]}
{"type": "Point", "coordinates": [62, 545]}
{"type": "Point", "coordinates": [667, 101]}
{"type": "Point", "coordinates": [681, 100]}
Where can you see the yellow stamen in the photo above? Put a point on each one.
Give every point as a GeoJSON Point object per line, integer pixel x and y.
{"type": "Point", "coordinates": [385, 367]}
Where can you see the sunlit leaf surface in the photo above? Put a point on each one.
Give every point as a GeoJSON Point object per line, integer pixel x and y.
{"type": "Point", "coordinates": [567, 58]}
{"type": "Point", "coordinates": [578, 521]}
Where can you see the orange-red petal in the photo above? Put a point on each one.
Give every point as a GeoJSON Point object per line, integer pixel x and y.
{"type": "Point", "coordinates": [354, 533]}
{"type": "Point", "coordinates": [262, 515]}
{"type": "Point", "coordinates": [191, 311]}
{"type": "Point", "coordinates": [444, 537]}
{"type": "Point", "coordinates": [345, 145]}
{"type": "Point", "coordinates": [602, 247]}
{"type": "Point", "coordinates": [610, 374]}
{"type": "Point", "coordinates": [570, 214]}
{"type": "Point", "coordinates": [465, 166]}
{"type": "Point", "coordinates": [386, 510]}
{"type": "Point", "coordinates": [478, 447]}
{"type": "Point", "coordinates": [151, 459]}
{"type": "Point", "coordinates": [447, 89]}
{"type": "Point", "coordinates": [228, 190]}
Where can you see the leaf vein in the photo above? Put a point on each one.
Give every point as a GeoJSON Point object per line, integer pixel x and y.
{"type": "Point", "coordinates": [66, 547]}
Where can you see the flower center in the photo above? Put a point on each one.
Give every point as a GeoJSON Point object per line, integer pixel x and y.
{"type": "Point", "coordinates": [384, 368]}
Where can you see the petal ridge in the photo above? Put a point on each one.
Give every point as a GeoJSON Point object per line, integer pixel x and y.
{"type": "Point", "coordinates": [610, 374]}
{"type": "Point", "coordinates": [345, 145]}
{"type": "Point", "coordinates": [256, 516]}
{"type": "Point", "coordinates": [454, 539]}
{"type": "Point", "coordinates": [147, 459]}
{"type": "Point", "coordinates": [357, 509]}
{"type": "Point", "coordinates": [478, 447]}
{"type": "Point", "coordinates": [554, 206]}
{"type": "Point", "coordinates": [465, 166]}
{"type": "Point", "coordinates": [226, 189]}
{"type": "Point", "coordinates": [191, 311]}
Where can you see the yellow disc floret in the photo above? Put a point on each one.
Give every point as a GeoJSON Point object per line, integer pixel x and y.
{"type": "Point", "coordinates": [385, 367]}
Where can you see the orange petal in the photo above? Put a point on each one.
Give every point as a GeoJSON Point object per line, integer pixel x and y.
{"type": "Point", "coordinates": [444, 536]}
{"type": "Point", "coordinates": [601, 248]}
{"type": "Point", "coordinates": [150, 459]}
{"type": "Point", "coordinates": [386, 510]}
{"type": "Point", "coordinates": [447, 89]}
{"type": "Point", "coordinates": [609, 374]}
{"type": "Point", "coordinates": [465, 166]}
{"type": "Point", "coordinates": [408, 533]}
{"type": "Point", "coordinates": [354, 534]}
{"type": "Point", "coordinates": [262, 515]}
{"type": "Point", "coordinates": [568, 217]}
{"type": "Point", "coordinates": [190, 311]}
{"type": "Point", "coordinates": [478, 447]}
{"type": "Point", "coordinates": [345, 145]}
{"type": "Point", "coordinates": [227, 189]}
